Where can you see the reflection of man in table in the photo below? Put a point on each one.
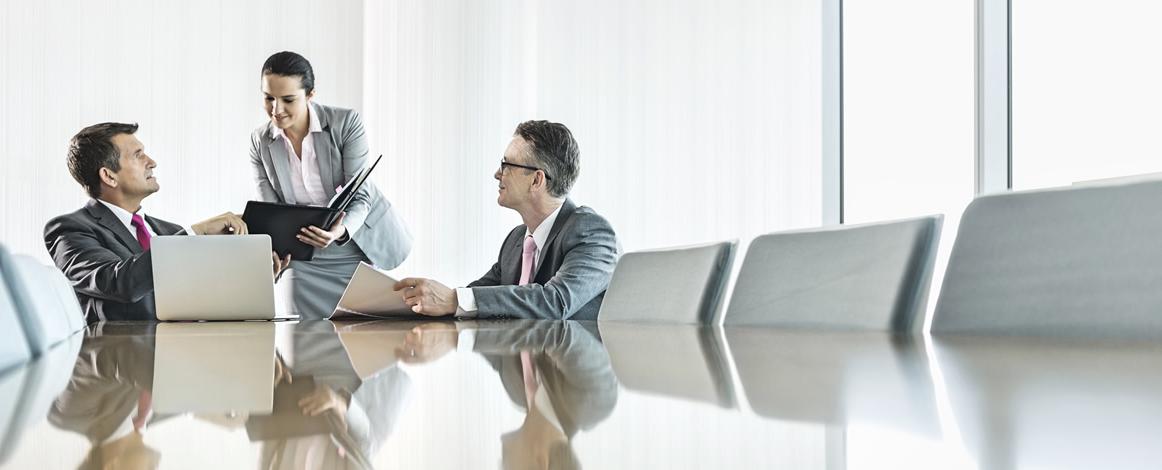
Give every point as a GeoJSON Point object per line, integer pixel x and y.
{"type": "Point", "coordinates": [109, 398]}
{"type": "Point", "coordinates": [557, 372]}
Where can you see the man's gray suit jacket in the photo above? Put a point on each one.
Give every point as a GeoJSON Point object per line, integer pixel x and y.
{"type": "Point", "coordinates": [341, 151]}
{"type": "Point", "coordinates": [110, 273]}
{"type": "Point", "coordinates": [577, 262]}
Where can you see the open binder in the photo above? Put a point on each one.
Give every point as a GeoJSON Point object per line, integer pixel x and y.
{"type": "Point", "coordinates": [283, 221]}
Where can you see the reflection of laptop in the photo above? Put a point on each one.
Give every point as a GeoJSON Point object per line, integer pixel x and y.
{"type": "Point", "coordinates": [214, 367]}
{"type": "Point", "coordinates": [213, 277]}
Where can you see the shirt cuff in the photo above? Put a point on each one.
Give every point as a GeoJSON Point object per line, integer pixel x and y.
{"type": "Point", "coordinates": [345, 238]}
{"type": "Point", "coordinates": [466, 301]}
{"type": "Point", "coordinates": [189, 229]}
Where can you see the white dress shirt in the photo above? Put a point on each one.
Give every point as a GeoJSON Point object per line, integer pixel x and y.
{"type": "Point", "coordinates": [464, 296]}
{"type": "Point", "coordinates": [126, 219]}
{"type": "Point", "coordinates": [306, 183]}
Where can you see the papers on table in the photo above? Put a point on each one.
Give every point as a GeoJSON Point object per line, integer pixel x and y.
{"type": "Point", "coordinates": [370, 295]}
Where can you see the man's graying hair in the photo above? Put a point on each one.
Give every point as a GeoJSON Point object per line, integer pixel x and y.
{"type": "Point", "coordinates": [554, 150]}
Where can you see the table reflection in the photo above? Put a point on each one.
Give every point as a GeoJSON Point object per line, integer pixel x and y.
{"type": "Point", "coordinates": [837, 377]}
{"type": "Point", "coordinates": [557, 373]}
{"type": "Point", "coordinates": [680, 361]}
{"type": "Point", "coordinates": [550, 394]}
{"type": "Point", "coordinates": [1041, 403]}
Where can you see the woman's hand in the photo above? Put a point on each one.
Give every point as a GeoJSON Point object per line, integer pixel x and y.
{"type": "Point", "coordinates": [324, 399]}
{"type": "Point", "coordinates": [279, 264]}
{"type": "Point", "coordinates": [320, 238]}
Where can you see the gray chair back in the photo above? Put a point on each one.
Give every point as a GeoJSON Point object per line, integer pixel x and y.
{"type": "Point", "coordinates": [856, 277]}
{"type": "Point", "coordinates": [1071, 262]}
{"type": "Point", "coordinates": [675, 285]}
{"type": "Point", "coordinates": [14, 349]}
{"type": "Point", "coordinates": [48, 308]}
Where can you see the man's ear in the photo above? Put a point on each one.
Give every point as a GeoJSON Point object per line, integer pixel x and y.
{"type": "Point", "coordinates": [108, 178]}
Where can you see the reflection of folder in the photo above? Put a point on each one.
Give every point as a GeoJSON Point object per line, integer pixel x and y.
{"type": "Point", "coordinates": [283, 221]}
{"type": "Point", "coordinates": [370, 295]}
{"type": "Point", "coordinates": [287, 419]}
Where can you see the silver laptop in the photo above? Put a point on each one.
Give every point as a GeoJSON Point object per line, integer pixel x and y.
{"type": "Point", "coordinates": [213, 277]}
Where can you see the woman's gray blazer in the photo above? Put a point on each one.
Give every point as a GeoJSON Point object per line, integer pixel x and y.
{"type": "Point", "coordinates": [341, 149]}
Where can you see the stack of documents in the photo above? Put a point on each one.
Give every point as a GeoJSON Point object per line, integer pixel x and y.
{"type": "Point", "coordinates": [370, 294]}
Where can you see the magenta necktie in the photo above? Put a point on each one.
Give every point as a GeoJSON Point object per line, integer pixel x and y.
{"type": "Point", "coordinates": [142, 232]}
{"type": "Point", "coordinates": [526, 260]}
{"type": "Point", "coordinates": [144, 405]}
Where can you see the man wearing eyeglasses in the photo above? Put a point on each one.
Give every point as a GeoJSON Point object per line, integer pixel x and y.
{"type": "Point", "coordinates": [557, 264]}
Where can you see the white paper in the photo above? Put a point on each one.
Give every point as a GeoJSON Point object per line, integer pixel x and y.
{"type": "Point", "coordinates": [370, 294]}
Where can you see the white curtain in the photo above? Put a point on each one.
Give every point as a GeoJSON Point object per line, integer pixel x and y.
{"type": "Point", "coordinates": [697, 121]}
{"type": "Point", "coordinates": [187, 72]}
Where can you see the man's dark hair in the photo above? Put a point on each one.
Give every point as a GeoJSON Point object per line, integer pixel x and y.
{"type": "Point", "coordinates": [290, 64]}
{"type": "Point", "coordinates": [554, 150]}
{"type": "Point", "coordinates": [93, 149]}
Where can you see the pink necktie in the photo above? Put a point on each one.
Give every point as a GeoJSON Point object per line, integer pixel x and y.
{"type": "Point", "coordinates": [528, 370]}
{"type": "Point", "coordinates": [526, 261]}
{"type": "Point", "coordinates": [142, 232]}
{"type": "Point", "coordinates": [144, 404]}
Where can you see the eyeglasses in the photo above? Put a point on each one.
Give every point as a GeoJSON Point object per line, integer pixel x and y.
{"type": "Point", "coordinates": [526, 167]}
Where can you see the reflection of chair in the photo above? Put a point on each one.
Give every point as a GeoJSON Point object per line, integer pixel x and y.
{"type": "Point", "coordinates": [1080, 261]}
{"type": "Point", "coordinates": [48, 308]}
{"type": "Point", "coordinates": [678, 285]}
{"type": "Point", "coordinates": [14, 348]}
{"type": "Point", "coordinates": [870, 276]}
{"type": "Point", "coordinates": [836, 378]}
{"type": "Point", "coordinates": [682, 361]}
{"type": "Point", "coordinates": [1032, 402]}
{"type": "Point", "coordinates": [42, 380]}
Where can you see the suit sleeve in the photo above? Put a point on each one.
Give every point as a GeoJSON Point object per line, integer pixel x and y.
{"type": "Point", "coordinates": [93, 269]}
{"type": "Point", "coordinates": [354, 150]}
{"type": "Point", "coordinates": [266, 190]}
{"type": "Point", "coordinates": [590, 256]}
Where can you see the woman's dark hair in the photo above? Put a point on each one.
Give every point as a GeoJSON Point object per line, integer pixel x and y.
{"type": "Point", "coordinates": [290, 64]}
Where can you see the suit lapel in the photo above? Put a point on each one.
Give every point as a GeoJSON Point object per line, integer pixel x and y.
{"type": "Point", "coordinates": [279, 158]}
{"type": "Point", "coordinates": [162, 227]}
{"type": "Point", "coordinates": [324, 153]}
{"type": "Point", "coordinates": [107, 219]}
{"type": "Point", "coordinates": [512, 256]}
{"type": "Point", "coordinates": [567, 210]}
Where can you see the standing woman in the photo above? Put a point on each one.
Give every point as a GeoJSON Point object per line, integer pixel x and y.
{"type": "Point", "coordinates": [301, 156]}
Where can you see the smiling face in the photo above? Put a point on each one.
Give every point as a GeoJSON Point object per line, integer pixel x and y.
{"type": "Point", "coordinates": [286, 101]}
{"type": "Point", "coordinates": [135, 179]}
{"type": "Point", "coordinates": [515, 184]}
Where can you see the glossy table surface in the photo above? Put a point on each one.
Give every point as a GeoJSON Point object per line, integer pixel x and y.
{"type": "Point", "coordinates": [542, 394]}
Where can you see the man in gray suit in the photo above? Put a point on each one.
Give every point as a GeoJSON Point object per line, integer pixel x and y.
{"type": "Point", "coordinates": [557, 264]}
{"type": "Point", "coordinates": [103, 248]}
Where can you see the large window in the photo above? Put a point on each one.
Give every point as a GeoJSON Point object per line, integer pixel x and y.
{"type": "Point", "coordinates": [908, 112]}
{"type": "Point", "coordinates": [1086, 91]}
{"type": "Point", "coordinates": [908, 107]}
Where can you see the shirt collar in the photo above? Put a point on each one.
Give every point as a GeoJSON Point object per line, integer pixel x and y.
{"type": "Point", "coordinates": [313, 122]}
{"type": "Point", "coordinates": [541, 234]}
{"type": "Point", "coordinates": [123, 215]}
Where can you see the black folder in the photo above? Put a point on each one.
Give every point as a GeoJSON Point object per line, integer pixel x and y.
{"type": "Point", "coordinates": [287, 419]}
{"type": "Point", "coordinates": [283, 221]}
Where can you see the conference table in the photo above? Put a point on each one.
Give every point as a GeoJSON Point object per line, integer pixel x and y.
{"type": "Point", "coordinates": [564, 394]}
